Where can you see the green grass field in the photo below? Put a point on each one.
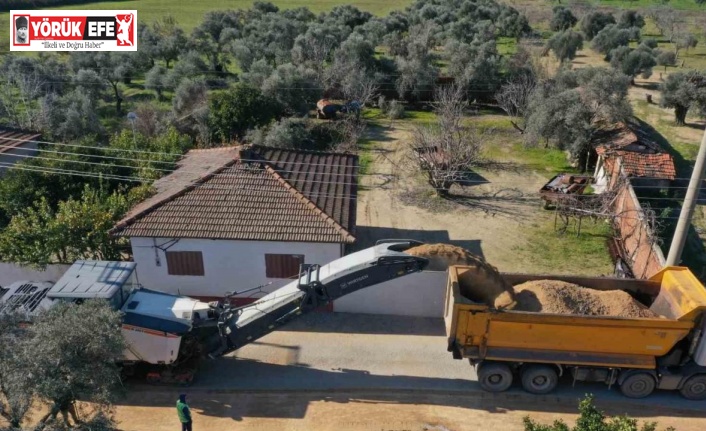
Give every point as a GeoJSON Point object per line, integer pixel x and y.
{"type": "Point", "coordinates": [189, 13]}
{"type": "Point", "coordinates": [636, 4]}
{"type": "Point", "coordinates": [567, 253]}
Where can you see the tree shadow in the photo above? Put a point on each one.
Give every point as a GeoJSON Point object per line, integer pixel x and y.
{"type": "Point", "coordinates": [697, 126]}
{"type": "Point", "coordinates": [378, 133]}
{"type": "Point", "coordinates": [496, 166]}
{"type": "Point", "coordinates": [647, 85]}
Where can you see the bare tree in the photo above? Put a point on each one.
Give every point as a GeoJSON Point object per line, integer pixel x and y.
{"type": "Point", "coordinates": [669, 23]}
{"type": "Point", "coordinates": [513, 98]}
{"type": "Point", "coordinates": [359, 92]}
{"type": "Point", "coordinates": [446, 151]}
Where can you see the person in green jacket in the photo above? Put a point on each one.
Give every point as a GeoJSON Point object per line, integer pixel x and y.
{"type": "Point", "coordinates": [184, 413]}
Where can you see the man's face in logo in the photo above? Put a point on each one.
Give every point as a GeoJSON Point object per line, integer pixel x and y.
{"type": "Point", "coordinates": [22, 33]}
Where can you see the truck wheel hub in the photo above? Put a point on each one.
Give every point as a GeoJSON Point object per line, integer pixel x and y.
{"type": "Point", "coordinates": [698, 388]}
{"type": "Point", "coordinates": [539, 380]}
{"type": "Point", "coordinates": [495, 378]}
{"type": "Point", "coordinates": [638, 386]}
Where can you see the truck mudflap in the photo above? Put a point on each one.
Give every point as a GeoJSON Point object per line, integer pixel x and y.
{"type": "Point", "coordinates": [455, 351]}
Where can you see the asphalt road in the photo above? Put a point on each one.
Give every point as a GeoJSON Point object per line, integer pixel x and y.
{"type": "Point", "coordinates": [338, 352]}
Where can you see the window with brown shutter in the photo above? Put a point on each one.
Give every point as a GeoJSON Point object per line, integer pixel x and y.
{"type": "Point", "coordinates": [184, 263]}
{"type": "Point", "coordinates": [282, 265]}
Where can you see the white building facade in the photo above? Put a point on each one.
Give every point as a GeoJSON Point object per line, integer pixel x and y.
{"type": "Point", "coordinates": [209, 268]}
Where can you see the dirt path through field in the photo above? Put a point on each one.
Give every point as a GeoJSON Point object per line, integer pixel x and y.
{"type": "Point", "coordinates": [490, 222]}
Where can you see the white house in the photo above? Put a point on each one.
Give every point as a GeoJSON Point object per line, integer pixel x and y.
{"type": "Point", "coordinates": [15, 146]}
{"type": "Point", "coordinates": [231, 219]}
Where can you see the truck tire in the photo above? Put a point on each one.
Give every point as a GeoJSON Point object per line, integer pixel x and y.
{"type": "Point", "coordinates": [494, 376]}
{"type": "Point", "coordinates": [638, 385]}
{"type": "Point", "coordinates": [694, 388]}
{"type": "Point", "coordinates": [539, 379]}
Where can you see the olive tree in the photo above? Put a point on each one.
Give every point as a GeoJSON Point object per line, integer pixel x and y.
{"type": "Point", "coordinates": [562, 19]}
{"type": "Point", "coordinates": [630, 18]}
{"type": "Point", "coordinates": [78, 363]}
{"type": "Point", "coordinates": [612, 37]}
{"type": "Point", "coordinates": [240, 108]}
{"type": "Point", "coordinates": [666, 58]}
{"type": "Point", "coordinates": [568, 109]}
{"type": "Point", "coordinates": [594, 22]}
{"type": "Point", "coordinates": [684, 91]}
{"type": "Point", "coordinates": [295, 88]}
{"type": "Point", "coordinates": [66, 355]}
{"type": "Point", "coordinates": [115, 68]}
{"type": "Point", "coordinates": [214, 34]}
{"type": "Point", "coordinates": [565, 44]}
{"type": "Point", "coordinates": [15, 384]}
{"type": "Point", "coordinates": [633, 62]}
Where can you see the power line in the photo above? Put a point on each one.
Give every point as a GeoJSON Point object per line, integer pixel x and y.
{"type": "Point", "coordinates": [71, 172]}
{"type": "Point", "coordinates": [207, 186]}
{"type": "Point", "coordinates": [281, 171]}
{"type": "Point", "coordinates": [278, 191]}
{"type": "Point", "coordinates": [87, 155]}
{"type": "Point", "coordinates": [106, 148]}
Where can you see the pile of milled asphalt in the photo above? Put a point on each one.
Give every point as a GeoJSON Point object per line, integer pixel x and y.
{"type": "Point", "coordinates": [483, 283]}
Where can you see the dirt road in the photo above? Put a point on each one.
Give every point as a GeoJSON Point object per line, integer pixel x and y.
{"type": "Point", "coordinates": [312, 411]}
{"type": "Point", "coordinates": [490, 223]}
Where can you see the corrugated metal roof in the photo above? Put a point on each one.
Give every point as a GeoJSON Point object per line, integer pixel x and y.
{"type": "Point", "coordinates": [92, 279]}
{"type": "Point", "coordinates": [263, 194]}
{"type": "Point", "coordinates": [12, 138]}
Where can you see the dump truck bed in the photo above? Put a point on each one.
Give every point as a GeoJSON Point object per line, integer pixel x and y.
{"type": "Point", "coordinates": [479, 332]}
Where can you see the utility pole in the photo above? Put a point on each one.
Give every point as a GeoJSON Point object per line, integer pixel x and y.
{"type": "Point", "coordinates": [687, 209]}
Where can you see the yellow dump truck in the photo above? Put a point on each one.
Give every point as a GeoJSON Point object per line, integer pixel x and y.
{"type": "Point", "coordinates": [637, 354]}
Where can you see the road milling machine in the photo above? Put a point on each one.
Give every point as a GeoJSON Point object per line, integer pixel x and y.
{"type": "Point", "coordinates": [166, 334]}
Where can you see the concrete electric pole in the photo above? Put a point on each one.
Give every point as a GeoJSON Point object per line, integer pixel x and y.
{"type": "Point", "coordinates": [687, 209]}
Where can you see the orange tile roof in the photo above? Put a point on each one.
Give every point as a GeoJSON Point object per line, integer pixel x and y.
{"type": "Point", "coordinates": [648, 165]}
{"type": "Point", "coordinates": [251, 193]}
{"type": "Point", "coordinates": [640, 156]}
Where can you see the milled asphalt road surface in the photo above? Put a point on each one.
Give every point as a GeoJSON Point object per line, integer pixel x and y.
{"type": "Point", "coordinates": [344, 352]}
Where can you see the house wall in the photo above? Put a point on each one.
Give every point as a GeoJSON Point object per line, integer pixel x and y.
{"type": "Point", "coordinates": [10, 273]}
{"type": "Point", "coordinates": [228, 265]}
{"type": "Point", "coordinates": [601, 176]}
{"type": "Point", "coordinates": [420, 294]}
{"type": "Point", "coordinates": [646, 257]}
{"type": "Point", "coordinates": [7, 156]}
